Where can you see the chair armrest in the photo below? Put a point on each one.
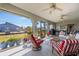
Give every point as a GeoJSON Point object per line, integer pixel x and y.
{"type": "Point", "coordinates": [57, 49]}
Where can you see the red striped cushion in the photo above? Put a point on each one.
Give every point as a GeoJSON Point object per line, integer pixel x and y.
{"type": "Point", "coordinates": [67, 46]}
{"type": "Point", "coordinates": [72, 45]}
{"type": "Point", "coordinates": [61, 46]}
{"type": "Point", "coordinates": [57, 49]}
{"type": "Point", "coordinates": [78, 44]}
{"type": "Point", "coordinates": [76, 47]}
{"type": "Point", "coordinates": [37, 42]}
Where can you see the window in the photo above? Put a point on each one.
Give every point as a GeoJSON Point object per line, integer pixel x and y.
{"type": "Point", "coordinates": [13, 26]}
{"type": "Point", "coordinates": [41, 28]}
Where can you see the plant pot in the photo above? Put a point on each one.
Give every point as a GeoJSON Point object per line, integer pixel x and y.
{"type": "Point", "coordinates": [17, 42]}
{"type": "Point", "coordinates": [11, 44]}
{"type": "Point", "coordinates": [3, 45]}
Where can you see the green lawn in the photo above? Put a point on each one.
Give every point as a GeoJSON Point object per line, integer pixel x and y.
{"type": "Point", "coordinates": [6, 37]}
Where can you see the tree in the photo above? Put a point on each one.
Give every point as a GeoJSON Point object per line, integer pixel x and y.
{"type": "Point", "coordinates": [28, 30]}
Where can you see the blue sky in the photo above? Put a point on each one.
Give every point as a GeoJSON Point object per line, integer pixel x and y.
{"type": "Point", "coordinates": [14, 19]}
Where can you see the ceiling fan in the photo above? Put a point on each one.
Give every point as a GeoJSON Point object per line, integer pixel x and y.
{"type": "Point", "coordinates": [62, 16]}
{"type": "Point", "coordinates": [53, 7]}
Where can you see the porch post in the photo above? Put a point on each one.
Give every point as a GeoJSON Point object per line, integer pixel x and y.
{"type": "Point", "coordinates": [34, 23]}
{"type": "Point", "coordinates": [48, 26]}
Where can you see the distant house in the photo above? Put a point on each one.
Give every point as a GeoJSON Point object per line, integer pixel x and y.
{"type": "Point", "coordinates": [9, 27]}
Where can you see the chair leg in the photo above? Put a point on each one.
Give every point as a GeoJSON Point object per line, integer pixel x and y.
{"type": "Point", "coordinates": [52, 50]}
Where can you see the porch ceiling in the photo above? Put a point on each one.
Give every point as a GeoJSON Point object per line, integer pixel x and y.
{"type": "Point", "coordinates": [71, 10]}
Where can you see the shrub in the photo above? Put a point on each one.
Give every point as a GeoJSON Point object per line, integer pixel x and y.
{"type": "Point", "coordinates": [11, 40]}
{"type": "Point", "coordinates": [3, 42]}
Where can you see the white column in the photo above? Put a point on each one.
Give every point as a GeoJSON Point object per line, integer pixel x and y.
{"type": "Point", "coordinates": [34, 23]}
{"type": "Point", "coordinates": [48, 27]}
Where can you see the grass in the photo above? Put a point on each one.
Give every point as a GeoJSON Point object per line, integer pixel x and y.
{"type": "Point", "coordinates": [6, 37]}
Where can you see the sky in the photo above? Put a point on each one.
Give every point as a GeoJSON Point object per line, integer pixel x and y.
{"type": "Point", "coordinates": [14, 19]}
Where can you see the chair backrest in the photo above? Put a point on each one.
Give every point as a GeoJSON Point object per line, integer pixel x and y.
{"type": "Point", "coordinates": [70, 46]}
{"type": "Point", "coordinates": [34, 40]}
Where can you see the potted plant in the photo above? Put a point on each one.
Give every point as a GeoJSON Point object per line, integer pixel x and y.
{"type": "Point", "coordinates": [11, 42]}
{"type": "Point", "coordinates": [3, 45]}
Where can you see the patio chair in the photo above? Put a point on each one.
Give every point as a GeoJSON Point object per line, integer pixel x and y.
{"type": "Point", "coordinates": [36, 43]}
{"type": "Point", "coordinates": [66, 48]}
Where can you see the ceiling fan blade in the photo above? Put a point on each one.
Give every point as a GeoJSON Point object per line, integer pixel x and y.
{"type": "Point", "coordinates": [62, 16]}
{"type": "Point", "coordinates": [46, 9]}
{"type": "Point", "coordinates": [59, 9]}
